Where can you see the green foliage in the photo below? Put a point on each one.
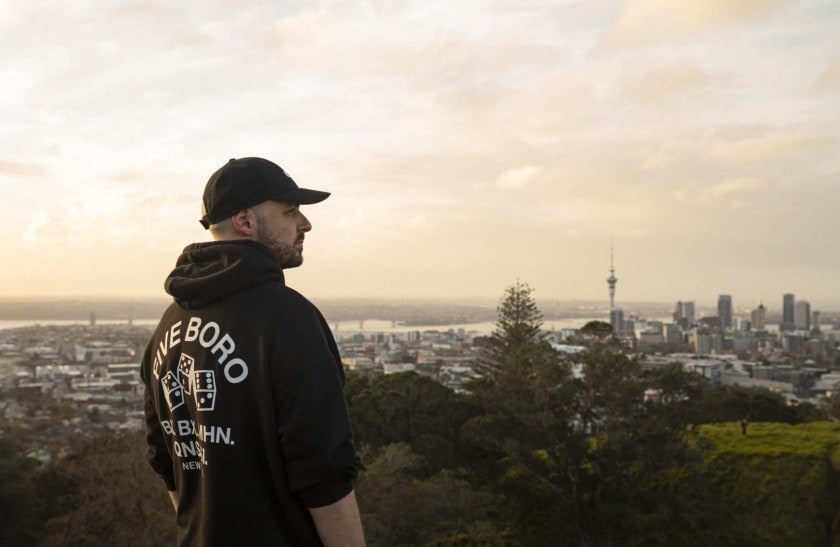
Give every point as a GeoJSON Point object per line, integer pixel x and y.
{"type": "Point", "coordinates": [113, 487]}
{"type": "Point", "coordinates": [409, 408]}
{"type": "Point", "coordinates": [517, 340]}
{"type": "Point", "coordinates": [19, 524]}
{"type": "Point", "coordinates": [597, 329]}
{"type": "Point", "coordinates": [775, 486]}
{"type": "Point", "coordinates": [730, 403]}
{"type": "Point", "coordinates": [582, 458]}
{"type": "Point", "coordinates": [401, 508]}
{"type": "Point", "coordinates": [101, 493]}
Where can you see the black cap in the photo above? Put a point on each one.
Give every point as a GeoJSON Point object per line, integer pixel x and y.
{"type": "Point", "coordinates": [245, 182]}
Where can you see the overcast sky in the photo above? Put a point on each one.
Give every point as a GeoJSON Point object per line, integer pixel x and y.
{"type": "Point", "coordinates": [466, 144]}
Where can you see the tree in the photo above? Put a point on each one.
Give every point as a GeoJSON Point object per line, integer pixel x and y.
{"type": "Point", "coordinates": [597, 329]}
{"type": "Point", "coordinates": [517, 358]}
{"type": "Point", "coordinates": [104, 493]}
{"type": "Point", "coordinates": [402, 507]}
{"type": "Point", "coordinates": [18, 501]}
{"type": "Point", "coordinates": [584, 458]}
{"type": "Point", "coordinates": [409, 408]}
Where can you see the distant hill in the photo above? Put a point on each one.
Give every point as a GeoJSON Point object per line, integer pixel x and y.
{"type": "Point", "coordinates": [81, 308]}
{"type": "Point", "coordinates": [408, 311]}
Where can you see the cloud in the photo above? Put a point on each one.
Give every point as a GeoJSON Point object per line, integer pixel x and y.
{"type": "Point", "coordinates": [106, 215]}
{"type": "Point", "coordinates": [727, 188]}
{"type": "Point", "coordinates": [768, 147]}
{"type": "Point", "coordinates": [306, 40]}
{"type": "Point", "coordinates": [643, 22]}
{"type": "Point", "coordinates": [519, 177]}
{"type": "Point", "coordinates": [672, 79]}
{"type": "Point", "coordinates": [23, 170]}
{"type": "Point", "coordinates": [829, 80]}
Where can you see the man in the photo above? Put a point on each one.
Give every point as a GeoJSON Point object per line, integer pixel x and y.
{"type": "Point", "coordinates": [245, 416]}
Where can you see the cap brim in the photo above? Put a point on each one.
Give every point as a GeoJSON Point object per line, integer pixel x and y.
{"type": "Point", "coordinates": [303, 196]}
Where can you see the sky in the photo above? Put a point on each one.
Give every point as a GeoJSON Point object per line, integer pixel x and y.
{"type": "Point", "coordinates": [467, 145]}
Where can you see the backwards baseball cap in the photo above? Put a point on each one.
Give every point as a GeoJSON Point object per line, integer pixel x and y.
{"type": "Point", "coordinates": [245, 182]}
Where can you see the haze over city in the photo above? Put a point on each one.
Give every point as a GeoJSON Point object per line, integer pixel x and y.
{"type": "Point", "coordinates": [465, 144]}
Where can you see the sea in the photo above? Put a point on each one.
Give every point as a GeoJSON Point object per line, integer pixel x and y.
{"type": "Point", "coordinates": [367, 326]}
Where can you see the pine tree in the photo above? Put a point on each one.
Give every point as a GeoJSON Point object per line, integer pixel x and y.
{"type": "Point", "coordinates": [517, 343]}
{"type": "Point", "coordinates": [583, 459]}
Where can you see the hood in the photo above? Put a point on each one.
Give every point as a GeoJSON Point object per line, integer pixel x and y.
{"type": "Point", "coordinates": [206, 272]}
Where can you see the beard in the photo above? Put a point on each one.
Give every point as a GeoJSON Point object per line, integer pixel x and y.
{"type": "Point", "coordinates": [286, 255]}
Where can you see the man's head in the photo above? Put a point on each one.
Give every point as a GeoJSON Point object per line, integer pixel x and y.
{"type": "Point", "coordinates": [253, 198]}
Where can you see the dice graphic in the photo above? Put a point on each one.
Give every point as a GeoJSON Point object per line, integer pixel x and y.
{"type": "Point", "coordinates": [185, 369]}
{"type": "Point", "coordinates": [204, 389]}
{"type": "Point", "coordinates": [173, 390]}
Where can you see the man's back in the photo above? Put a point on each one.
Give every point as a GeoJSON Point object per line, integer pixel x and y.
{"type": "Point", "coordinates": [245, 410]}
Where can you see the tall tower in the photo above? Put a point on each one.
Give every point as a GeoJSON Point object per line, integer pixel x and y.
{"type": "Point", "coordinates": [788, 306]}
{"type": "Point", "coordinates": [612, 279]}
{"type": "Point", "coordinates": [758, 317]}
{"type": "Point", "coordinates": [725, 310]}
{"type": "Point", "coordinates": [802, 315]}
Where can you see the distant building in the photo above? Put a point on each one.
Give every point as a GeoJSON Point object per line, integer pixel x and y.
{"type": "Point", "coordinates": [802, 315]}
{"type": "Point", "coordinates": [617, 321]}
{"type": "Point", "coordinates": [793, 343]}
{"type": "Point", "coordinates": [684, 314]}
{"type": "Point", "coordinates": [648, 338]}
{"type": "Point", "coordinates": [742, 324]}
{"type": "Point", "coordinates": [725, 310]}
{"type": "Point", "coordinates": [758, 317]}
{"type": "Point", "coordinates": [124, 372]}
{"type": "Point", "coordinates": [706, 341]}
{"type": "Point", "coordinates": [788, 321]}
{"type": "Point", "coordinates": [672, 333]}
{"type": "Point", "coordinates": [396, 368]}
{"type": "Point", "coordinates": [744, 340]}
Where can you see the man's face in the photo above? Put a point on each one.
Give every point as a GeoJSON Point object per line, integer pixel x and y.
{"type": "Point", "coordinates": [281, 227]}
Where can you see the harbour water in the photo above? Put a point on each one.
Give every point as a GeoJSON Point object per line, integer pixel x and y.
{"type": "Point", "coordinates": [366, 326]}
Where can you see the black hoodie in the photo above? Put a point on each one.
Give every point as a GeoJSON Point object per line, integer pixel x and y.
{"type": "Point", "coordinates": [245, 411]}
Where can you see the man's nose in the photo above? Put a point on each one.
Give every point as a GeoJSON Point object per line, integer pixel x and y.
{"type": "Point", "coordinates": [305, 225]}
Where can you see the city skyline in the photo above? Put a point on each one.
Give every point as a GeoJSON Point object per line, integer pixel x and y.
{"type": "Point", "coordinates": [466, 146]}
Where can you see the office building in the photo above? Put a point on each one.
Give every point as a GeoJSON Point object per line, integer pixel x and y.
{"type": "Point", "coordinates": [617, 321]}
{"type": "Point", "coordinates": [788, 303]}
{"type": "Point", "coordinates": [802, 315]}
{"type": "Point", "coordinates": [684, 314]}
{"type": "Point", "coordinates": [725, 310]}
{"type": "Point", "coordinates": [672, 334]}
{"type": "Point", "coordinates": [758, 317]}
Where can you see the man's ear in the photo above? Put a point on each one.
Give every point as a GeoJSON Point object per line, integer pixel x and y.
{"type": "Point", "coordinates": [244, 223]}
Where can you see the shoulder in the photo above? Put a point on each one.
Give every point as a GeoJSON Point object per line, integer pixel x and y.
{"type": "Point", "coordinates": [279, 305]}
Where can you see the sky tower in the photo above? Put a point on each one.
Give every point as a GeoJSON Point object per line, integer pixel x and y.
{"type": "Point", "coordinates": [612, 279]}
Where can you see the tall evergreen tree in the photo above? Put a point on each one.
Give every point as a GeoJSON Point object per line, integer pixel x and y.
{"type": "Point", "coordinates": [517, 351]}
{"type": "Point", "coordinates": [583, 458]}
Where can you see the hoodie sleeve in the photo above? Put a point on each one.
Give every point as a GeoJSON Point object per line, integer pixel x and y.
{"type": "Point", "coordinates": [157, 453]}
{"type": "Point", "coordinates": [315, 438]}
{"type": "Point", "coordinates": [313, 422]}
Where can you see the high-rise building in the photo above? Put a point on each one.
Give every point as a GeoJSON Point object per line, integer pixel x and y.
{"type": "Point", "coordinates": [788, 321]}
{"type": "Point", "coordinates": [672, 333]}
{"type": "Point", "coordinates": [816, 321]}
{"type": "Point", "coordinates": [684, 314]}
{"type": "Point", "coordinates": [725, 310]}
{"type": "Point", "coordinates": [706, 341]}
{"type": "Point", "coordinates": [617, 321]}
{"type": "Point", "coordinates": [758, 317]}
{"type": "Point", "coordinates": [802, 315]}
